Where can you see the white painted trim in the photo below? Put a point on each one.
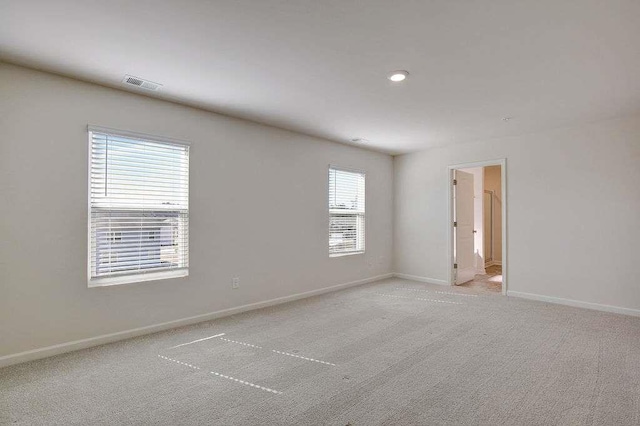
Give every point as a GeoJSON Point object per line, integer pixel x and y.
{"type": "Point", "coordinates": [576, 303]}
{"type": "Point", "coordinates": [135, 135]}
{"type": "Point", "coordinates": [137, 277]}
{"type": "Point", "coordinates": [450, 169]}
{"type": "Point", "coordinates": [485, 163]}
{"type": "Point", "coordinates": [93, 282]}
{"type": "Point", "coordinates": [350, 253]}
{"type": "Point", "coordinates": [421, 279]}
{"type": "Point", "coordinates": [126, 334]}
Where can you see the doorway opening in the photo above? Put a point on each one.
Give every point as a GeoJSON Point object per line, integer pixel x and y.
{"type": "Point", "coordinates": [478, 240]}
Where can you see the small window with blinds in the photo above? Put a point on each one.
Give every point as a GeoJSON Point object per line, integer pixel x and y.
{"type": "Point", "coordinates": [346, 212]}
{"type": "Point", "coordinates": [139, 208]}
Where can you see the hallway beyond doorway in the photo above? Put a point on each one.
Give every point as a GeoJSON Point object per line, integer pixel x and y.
{"type": "Point", "coordinates": [491, 282]}
{"type": "Point", "coordinates": [478, 205]}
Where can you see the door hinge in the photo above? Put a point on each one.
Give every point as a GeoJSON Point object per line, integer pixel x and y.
{"type": "Point", "coordinates": [455, 224]}
{"type": "Point", "coordinates": [455, 266]}
{"type": "Point", "coordinates": [455, 181]}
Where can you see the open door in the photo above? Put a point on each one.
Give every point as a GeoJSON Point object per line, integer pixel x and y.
{"type": "Point", "coordinates": [464, 266]}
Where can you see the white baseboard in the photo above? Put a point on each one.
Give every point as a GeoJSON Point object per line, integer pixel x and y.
{"type": "Point", "coordinates": [127, 334]}
{"type": "Point", "coordinates": [575, 303]}
{"type": "Point", "coordinates": [421, 279]}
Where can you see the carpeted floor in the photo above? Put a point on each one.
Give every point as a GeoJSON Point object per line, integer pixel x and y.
{"type": "Point", "coordinates": [394, 352]}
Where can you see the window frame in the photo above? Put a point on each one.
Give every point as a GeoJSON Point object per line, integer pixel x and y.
{"type": "Point", "coordinates": [93, 282]}
{"type": "Point", "coordinates": [347, 212]}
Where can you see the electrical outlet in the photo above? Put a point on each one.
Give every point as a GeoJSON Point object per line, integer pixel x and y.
{"type": "Point", "coordinates": [235, 282]}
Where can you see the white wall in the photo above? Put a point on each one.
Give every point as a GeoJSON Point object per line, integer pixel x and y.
{"type": "Point", "coordinates": [573, 209]}
{"type": "Point", "coordinates": [258, 212]}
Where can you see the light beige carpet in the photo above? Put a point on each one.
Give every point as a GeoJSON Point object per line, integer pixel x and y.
{"type": "Point", "coordinates": [394, 352]}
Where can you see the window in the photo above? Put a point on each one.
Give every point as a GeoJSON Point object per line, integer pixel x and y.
{"type": "Point", "coordinates": [346, 212]}
{"type": "Point", "coordinates": [139, 208]}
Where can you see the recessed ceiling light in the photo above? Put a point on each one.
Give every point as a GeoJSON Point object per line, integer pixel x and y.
{"type": "Point", "coordinates": [397, 76]}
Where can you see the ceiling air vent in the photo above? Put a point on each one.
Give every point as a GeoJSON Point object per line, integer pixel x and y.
{"type": "Point", "coordinates": [138, 82]}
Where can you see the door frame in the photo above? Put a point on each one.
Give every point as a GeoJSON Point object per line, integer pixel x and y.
{"type": "Point", "coordinates": [450, 209]}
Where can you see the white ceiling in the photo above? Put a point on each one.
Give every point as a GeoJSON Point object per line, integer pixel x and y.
{"type": "Point", "coordinates": [320, 66]}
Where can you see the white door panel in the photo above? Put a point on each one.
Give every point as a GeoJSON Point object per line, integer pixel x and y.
{"type": "Point", "coordinates": [464, 241]}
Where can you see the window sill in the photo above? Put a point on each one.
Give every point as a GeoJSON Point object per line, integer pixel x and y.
{"type": "Point", "coordinates": [136, 278]}
{"type": "Point", "coordinates": [351, 253]}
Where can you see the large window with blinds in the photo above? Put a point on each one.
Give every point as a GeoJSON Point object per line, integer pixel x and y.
{"type": "Point", "coordinates": [139, 208]}
{"type": "Point", "coordinates": [346, 211]}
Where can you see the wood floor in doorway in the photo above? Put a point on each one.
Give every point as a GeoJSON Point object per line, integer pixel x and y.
{"type": "Point", "coordinates": [491, 282]}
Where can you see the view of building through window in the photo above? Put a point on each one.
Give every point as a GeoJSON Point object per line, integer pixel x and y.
{"type": "Point", "coordinates": [139, 205]}
{"type": "Point", "coordinates": [346, 211]}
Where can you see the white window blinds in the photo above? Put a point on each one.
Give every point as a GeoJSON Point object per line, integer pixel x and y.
{"type": "Point", "coordinates": [346, 211]}
{"type": "Point", "coordinates": [139, 202]}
